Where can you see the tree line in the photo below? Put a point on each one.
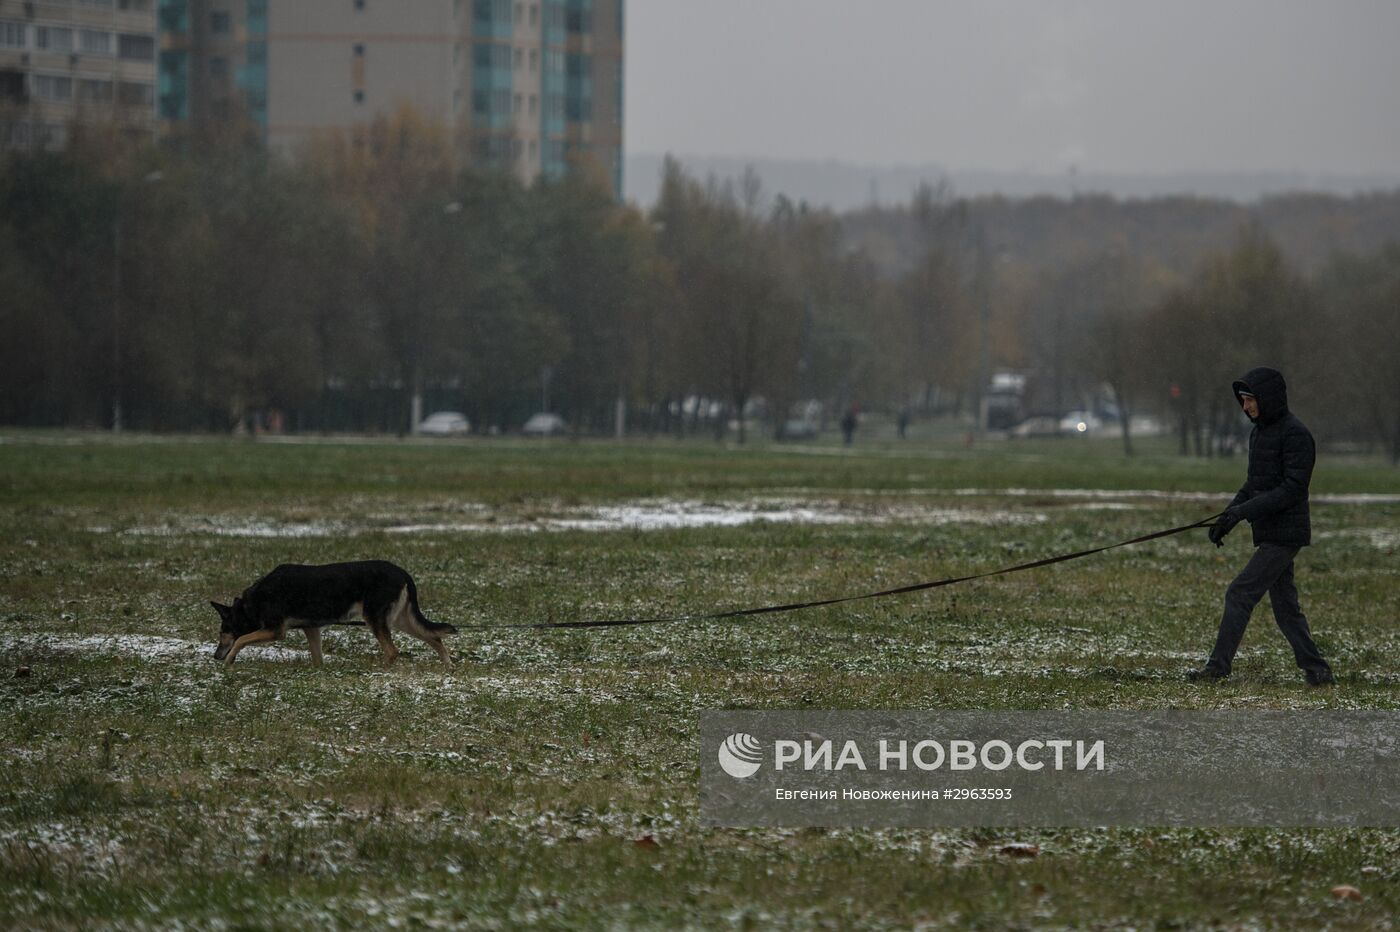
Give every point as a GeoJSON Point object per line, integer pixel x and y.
{"type": "Point", "coordinates": [369, 281]}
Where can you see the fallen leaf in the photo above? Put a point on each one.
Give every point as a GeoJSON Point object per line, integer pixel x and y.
{"type": "Point", "coordinates": [1345, 892]}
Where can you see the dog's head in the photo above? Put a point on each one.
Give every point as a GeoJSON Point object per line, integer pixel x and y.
{"type": "Point", "coordinates": [233, 624]}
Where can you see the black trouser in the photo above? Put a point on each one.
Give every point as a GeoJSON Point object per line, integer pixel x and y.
{"type": "Point", "coordinates": [1269, 570]}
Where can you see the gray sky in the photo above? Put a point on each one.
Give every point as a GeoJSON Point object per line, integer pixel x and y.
{"type": "Point", "coordinates": [1149, 86]}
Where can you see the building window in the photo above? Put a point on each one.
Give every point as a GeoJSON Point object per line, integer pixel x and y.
{"type": "Point", "coordinates": [134, 47]}
{"type": "Point", "coordinates": [491, 55]}
{"type": "Point", "coordinates": [52, 87]}
{"type": "Point", "coordinates": [134, 94]}
{"type": "Point", "coordinates": [53, 39]}
{"type": "Point", "coordinates": [94, 91]}
{"type": "Point", "coordinates": [519, 13]}
{"type": "Point", "coordinates": [220, 22]}
{"type": "Point", "coordinates": [12, 87]}
{"type": "Point", "coordinates": [578, 19]}
{"type": "Point", "coordinates": [534, 105]}
{"type": "Point", "coordinates": [554, 16]}
{"type": "Point", "coordinates": [534, 149]}
{"type": "Point", "coordinates": [487, 11]}
{"type": "Point", "coordinates": [534, 14]}
{"type": "Point", "coordinates": [94, 42]}
{"type": "Point", "coordinates": [519, 59]}
{"type": "Point", "coordinates": [534, 60]}
{"type": "Point", "coordinates": [518, 105]}
{"type": "Point", "coordinates": [51, 135]}
{"type": "Point", "coordinates": [140, 6]}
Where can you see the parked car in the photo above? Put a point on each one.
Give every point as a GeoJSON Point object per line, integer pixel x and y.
{"type": "Point", "coordinates": [1080, 423]}
{"type": "Point", "coordinates": [1040, 425]}
{"type": "Point", "coordinates": [544, 425]}
{"type": "Point", "coordinates": [799, 428]}
{"type": "Point", "coordinates": [445, 424]}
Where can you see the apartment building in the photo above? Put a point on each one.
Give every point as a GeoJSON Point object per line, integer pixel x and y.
{"type": "Point", "coordinates": [532, 86]}
{"type": "Point", "coordinates": [64, 62]}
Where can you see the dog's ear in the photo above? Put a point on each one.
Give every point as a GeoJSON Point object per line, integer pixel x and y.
{"type": "Point", "coordinates": [223, 610]}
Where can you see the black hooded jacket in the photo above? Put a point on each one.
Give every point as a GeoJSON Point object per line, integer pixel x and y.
{"type": "Point", "coordinates": [1274, 497]}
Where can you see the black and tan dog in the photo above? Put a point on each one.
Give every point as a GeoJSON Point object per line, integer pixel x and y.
{"type": "Point", "coordinates": [373, 592]}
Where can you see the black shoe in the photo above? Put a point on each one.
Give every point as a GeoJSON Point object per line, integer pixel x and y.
{"type": "Point", "coordinates": [1206, 674]}
{"type": "Point", "coordinates": [1321, 678]}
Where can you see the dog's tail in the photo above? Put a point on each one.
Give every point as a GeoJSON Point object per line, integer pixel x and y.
{"type": "Point", "coordinates": [435, 626]}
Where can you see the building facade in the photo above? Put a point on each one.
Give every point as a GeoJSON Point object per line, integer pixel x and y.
{"type": "Point", "coordinates": [68, 62]}
{"type": "Point", "coordinates": [530, 86]}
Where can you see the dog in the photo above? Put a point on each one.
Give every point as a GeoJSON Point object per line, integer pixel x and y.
{"type": "Point", "coordinates": [374, 593]}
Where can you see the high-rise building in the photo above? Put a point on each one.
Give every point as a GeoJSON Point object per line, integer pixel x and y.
{"type": "Point", "coordinates": [75, 61]}
{"type": "Point", "coordinates": [531, 86]}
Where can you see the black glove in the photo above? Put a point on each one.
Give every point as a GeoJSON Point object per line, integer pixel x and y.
{"type": "Point", "coordinates": [1224, 525]}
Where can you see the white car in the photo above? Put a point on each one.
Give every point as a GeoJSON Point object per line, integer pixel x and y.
{"type": "Point", "coordinates": [544, 425]}
{"type": "Point", "coordinates": [445, 424]}
{"type": "Point", "coordinates": [1080, 423]}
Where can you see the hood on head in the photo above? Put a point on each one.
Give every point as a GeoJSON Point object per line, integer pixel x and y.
{"type": "Point", "coordinates": [1268, 388]}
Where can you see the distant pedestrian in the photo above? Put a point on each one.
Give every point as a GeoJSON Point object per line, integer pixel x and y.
{"type": "Point", "coordinates": [848, 424]}
{"type": "Point", "coordinates": [903, 422]}
{"type": "Point", "coordinates": [1274, 500]}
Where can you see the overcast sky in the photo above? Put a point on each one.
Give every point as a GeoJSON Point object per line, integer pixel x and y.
{"type": "Point", "coordinates": [1151, 86]}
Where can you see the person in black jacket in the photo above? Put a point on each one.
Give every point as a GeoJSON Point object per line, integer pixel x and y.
{"type": "Point", "coordinates": [1274, 500]}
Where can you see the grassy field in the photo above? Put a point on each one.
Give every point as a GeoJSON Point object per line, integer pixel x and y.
{"type": "Point", "coordinates": [551, 777]}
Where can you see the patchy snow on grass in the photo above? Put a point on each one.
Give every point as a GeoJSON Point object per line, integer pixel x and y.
{"type": "Point", "coordinates": [1382, 538]}
{"type": "Point", "coordinates": [646, 515]}
{"type": "Point", "coordinates": [140, 646]}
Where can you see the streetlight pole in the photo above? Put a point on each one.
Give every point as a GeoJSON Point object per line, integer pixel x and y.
{"type": "Point", "coordinates": [117, 323]}
{"type": "Point", "coordinates": [117, 381]}
{"type": "Point", "coordinates": [415, 404]}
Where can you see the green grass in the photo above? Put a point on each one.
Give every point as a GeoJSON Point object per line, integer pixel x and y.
{"type": "Point", "coordinates": [142, 784]}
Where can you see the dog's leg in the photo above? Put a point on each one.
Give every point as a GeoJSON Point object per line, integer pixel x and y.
{"type": "Point", "coordinates": [405, 620]}
{"type": "Point", "coordinates": [253, 637]}
{"type": "Point", "coordinates": [379, 624]}
{"type": "Point", "coordinates": [386, 643]}
{"type": "Point", "coordinates": [313, 641]}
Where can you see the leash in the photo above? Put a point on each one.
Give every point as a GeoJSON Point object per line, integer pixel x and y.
{"type": "Point", "coordinates": [795, 606]}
